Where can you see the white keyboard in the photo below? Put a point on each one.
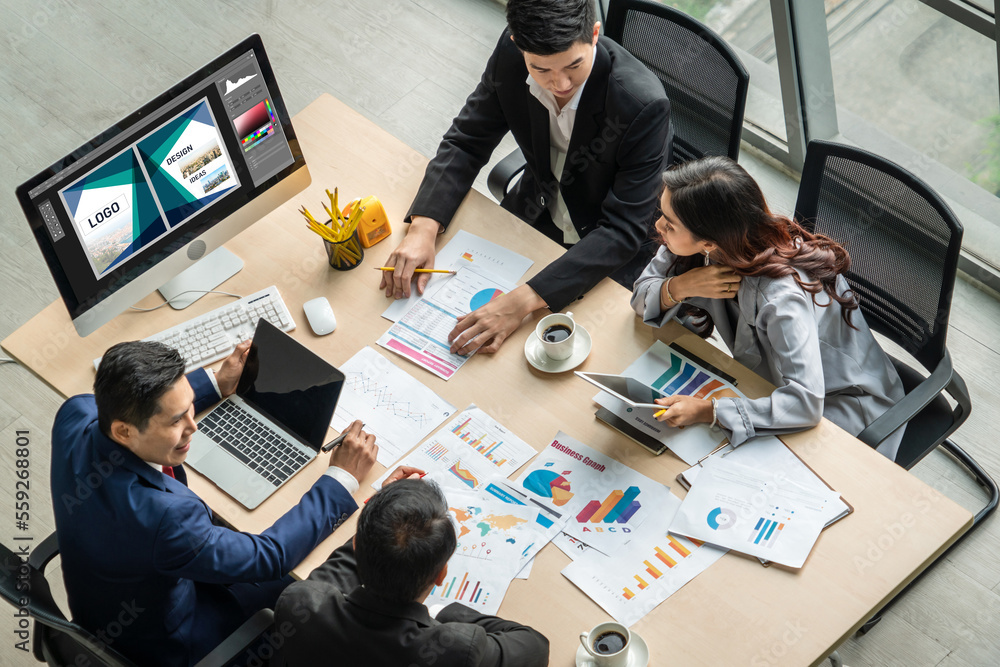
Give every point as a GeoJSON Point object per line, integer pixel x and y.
{"type": "Point", "coordinates": [207, 338]}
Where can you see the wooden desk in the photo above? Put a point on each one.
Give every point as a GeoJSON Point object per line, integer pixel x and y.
{"type": "Point", "coordinates": [737, 612]}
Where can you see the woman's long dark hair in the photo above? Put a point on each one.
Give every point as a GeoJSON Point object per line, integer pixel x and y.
{"type": "Point", "coordinates": [718, 201]}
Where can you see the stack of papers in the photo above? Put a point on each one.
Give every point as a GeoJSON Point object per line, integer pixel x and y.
{"type": "Point", "coordinates": [756, 512]}
{"type": "Point", "coordinates": [495, 540]}
{"type": "Point", "coordinates": [421, 335]}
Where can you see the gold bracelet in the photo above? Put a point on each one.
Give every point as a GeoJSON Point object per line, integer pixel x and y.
{"type": "Point", "coordinates": [670, 297]}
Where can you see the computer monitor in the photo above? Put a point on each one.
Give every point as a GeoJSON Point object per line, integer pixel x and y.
{"type": "Point", "coordinates": [142, 202]}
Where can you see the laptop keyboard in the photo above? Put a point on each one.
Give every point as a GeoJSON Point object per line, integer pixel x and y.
{"type": "Point", "coordinates": [258, 446]}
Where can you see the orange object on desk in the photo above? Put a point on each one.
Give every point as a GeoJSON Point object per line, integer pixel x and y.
{"type": "Point", "coordinates": [374, 223]}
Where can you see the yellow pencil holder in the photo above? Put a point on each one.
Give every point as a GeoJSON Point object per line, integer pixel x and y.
{"type": "Point", "coordinates": [347, 254]}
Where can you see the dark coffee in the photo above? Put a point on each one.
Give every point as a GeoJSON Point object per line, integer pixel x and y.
{"type": "Point", "coordinates": [556, 333]}
{"type": "Point", "coordinates": [609, 642]}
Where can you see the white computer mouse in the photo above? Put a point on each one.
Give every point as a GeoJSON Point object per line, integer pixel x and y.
{"type": "Point", "coordinates": [320, 315]}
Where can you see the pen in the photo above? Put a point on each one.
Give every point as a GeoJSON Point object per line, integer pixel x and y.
{"type": "Point", "coordinates": [336, 441]}
{"type": "Point", "coordinates": [393, 268]}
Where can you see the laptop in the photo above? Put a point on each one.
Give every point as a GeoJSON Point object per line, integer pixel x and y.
{"type": "Point", "coordinates": [253, 442]}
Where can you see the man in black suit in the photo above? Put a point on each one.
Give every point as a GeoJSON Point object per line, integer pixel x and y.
{"type": "Point", "coordinates": [594, 126]}
{"type": "Point", "coordinates": [364, 606]}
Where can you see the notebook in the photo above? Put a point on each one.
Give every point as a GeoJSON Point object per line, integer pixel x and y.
{"type": "Point", "coordinates": [274, 425]}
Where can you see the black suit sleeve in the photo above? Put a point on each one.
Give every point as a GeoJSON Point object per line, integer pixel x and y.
{"type": "Point", "coordinates": [340, 569]}
{"type": "Point", "coordinates": [501, 643]}
{"type": "Point", "coordinates": [465, 148]}
{"type": "Point", "coordinates": [626, 213]}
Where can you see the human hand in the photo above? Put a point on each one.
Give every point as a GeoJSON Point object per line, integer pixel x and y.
{"type": "Point", "coordinates": [403, 472]}
{"type": "Point", "coordinates": [228, 376]}
{"type": "Point", "coordinates": [684, 410]}
{"type": "Point", "coordinates": [487, 327]}
{"type": "Point", "coordinates": [711, 282]}
{"type": "Point", "coordinates": [415, 251]}
{"type": "Point", "coordinates": [356, 454]}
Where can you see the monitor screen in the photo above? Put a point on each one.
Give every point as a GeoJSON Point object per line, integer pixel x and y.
{"type": "Point", "coordinates": [148, 197]}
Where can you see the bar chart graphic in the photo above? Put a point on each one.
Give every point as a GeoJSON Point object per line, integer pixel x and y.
{"type": "Point", "coordinates": [483, 444]}
{"type": "Point", "coordinates": [618, 507]}
{"type": "Point", "coordinates": [462, 588]}
{"type": "Point", "coordinates": [768, 529]}
{"type": "Point", "coordinates": [683, 378]}
{"type": "Point", "coordinates": [665, 557]}
{"type": "Point", "coordinates": [436, 451]}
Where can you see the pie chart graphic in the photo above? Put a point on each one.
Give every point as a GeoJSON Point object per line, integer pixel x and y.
{"type": "Point", "coordinates": [549, 484]}
{"type": "Point", "coordinates": [720, 519]}
{"type": "Point", "coordinates": [483, 297]}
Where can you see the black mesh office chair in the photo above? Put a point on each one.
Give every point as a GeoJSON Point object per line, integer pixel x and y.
{"type": "Point", "coordinates": [904, 244]}
{"type": "Point", "coordinates": [705, 81]}
{"type": "Point", "coordinates": [62, 643]}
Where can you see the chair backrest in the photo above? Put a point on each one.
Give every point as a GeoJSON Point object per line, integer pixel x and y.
{"type": "Point", "coordinates": [903, 239]}
{"type": "Point", "coordinates": [705, 81]}
{"type": "Point", "coordinates": [57, 640]}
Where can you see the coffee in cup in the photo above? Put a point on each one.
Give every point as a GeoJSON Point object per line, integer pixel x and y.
{"type": "Point", "coordinates": [607, 644]}
{"type": "Point", "coordinates": [556, 332]}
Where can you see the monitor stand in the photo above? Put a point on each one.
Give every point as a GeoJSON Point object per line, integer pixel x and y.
{"type": "Point", "coordinates": [205, 275]}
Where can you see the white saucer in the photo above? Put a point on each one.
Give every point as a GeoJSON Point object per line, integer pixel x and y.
{"type": "Point", "coordinates": [543, 362]}
{"type": "Point", "coordinates": [638, 654]}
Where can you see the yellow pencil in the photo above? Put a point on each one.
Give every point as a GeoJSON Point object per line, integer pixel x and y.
{"type": "Point", "coordinates": [660, 412]}
{"type": "Point", "coordinates": [392, 268]}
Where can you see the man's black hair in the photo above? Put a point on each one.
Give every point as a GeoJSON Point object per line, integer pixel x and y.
{"type": "Point", "coordinates": [546, 27]}
{"type": "Point", "coordinates": [130, 381]}
{"type": "Point", "coordinates": [405, 536]}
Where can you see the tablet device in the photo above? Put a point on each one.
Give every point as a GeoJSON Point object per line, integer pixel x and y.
{"type": "Point", "coordinates": [630, 390]}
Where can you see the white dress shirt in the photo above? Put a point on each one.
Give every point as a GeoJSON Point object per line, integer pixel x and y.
{"type": "Point", "coordinates": [561, 122]}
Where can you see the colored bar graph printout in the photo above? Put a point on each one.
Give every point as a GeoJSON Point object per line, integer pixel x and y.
{"type": "Point", "coordinates": [471, 448]}
{"type": "Point", "coordinates": [615, 500]}
{"type": "Point", "coordinates": [632, 581]}
{"type": "Point", "coordinates": [394, 406]}
{"type": "Point", "coordinates": [472, 586]}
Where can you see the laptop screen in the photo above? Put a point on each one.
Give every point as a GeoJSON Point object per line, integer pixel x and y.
{"type": "Point", "coordinates": [290, 384]}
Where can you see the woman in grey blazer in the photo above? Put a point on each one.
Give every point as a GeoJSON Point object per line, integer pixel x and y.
{"type": "Point", "coordinates": [776, 296]}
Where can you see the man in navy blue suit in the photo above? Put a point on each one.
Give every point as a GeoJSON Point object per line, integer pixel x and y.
{"type": "Point", "coordinates": [146, 568]}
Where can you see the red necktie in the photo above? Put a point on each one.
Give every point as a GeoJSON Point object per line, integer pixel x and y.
{"type": "Point", "coordinates": [169, 472]}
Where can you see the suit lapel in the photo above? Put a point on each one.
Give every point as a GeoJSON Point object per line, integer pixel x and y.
{"type": "Point", "coordinates": [590, 112]}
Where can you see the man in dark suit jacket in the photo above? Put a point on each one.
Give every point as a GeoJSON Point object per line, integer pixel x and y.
{"type": "Point", "coordinates": [594, 126]}
{"type": "Point", "coordinates": [364, 606]}
{"type": "Point", "coordinates": [145, 567]}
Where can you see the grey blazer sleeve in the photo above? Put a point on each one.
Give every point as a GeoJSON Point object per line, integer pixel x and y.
{"type": "Point", "coordinates": [646, 291]}
{"type": "Point", "coordinates": [787, 325]}
{"type": "Point", "coordinates": [497, 642]}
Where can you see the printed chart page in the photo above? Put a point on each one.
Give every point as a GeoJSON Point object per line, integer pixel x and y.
{"type": "Point", "coordinates": [768, 454]}
{"type": "Point", "coordinates": [468, 451]}
{"type": "Point", "coordinates": [651, 568]}
{"type": "Point", "coordinates": [398, 409]}
{"type": "Point", "coordinates": [493, 536]}
{"type": "Point", "coordinates": [604, 501]}
{"type": "Point", "coordinates": [421, 335]}
{"type": "Point", "coordinates": [465, 249]}
{"type": "Point", "coordinates": [669, 372]}
{"type": "Point", "coordinates": [754, 512]}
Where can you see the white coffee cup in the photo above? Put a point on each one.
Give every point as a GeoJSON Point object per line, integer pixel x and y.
{"type": "Point", "coordinates": [559, 349]}
{"type": "Point", "coordinates": [592, 642]}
